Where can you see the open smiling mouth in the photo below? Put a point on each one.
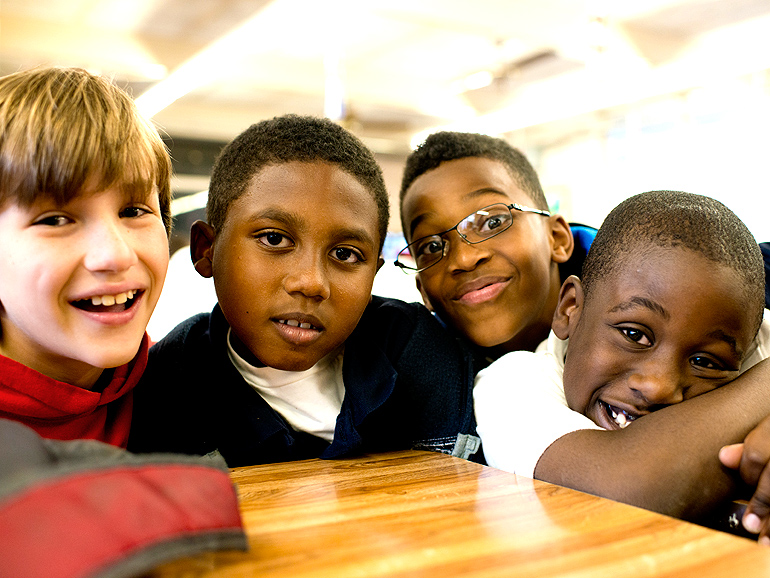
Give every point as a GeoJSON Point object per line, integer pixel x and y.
{"type": "Point", "coordinates": [619, 416]}
{"type": "Point", "coordinates": [108, 303]}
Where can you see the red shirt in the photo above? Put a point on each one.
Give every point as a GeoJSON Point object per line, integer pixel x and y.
{"type": "Point", "coordinates": [58, 410]}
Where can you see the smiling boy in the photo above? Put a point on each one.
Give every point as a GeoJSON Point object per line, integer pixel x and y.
{"type": "Point", "coordinates": [499, 295]}
{"type": "Point", "coordinates": [640, 465]}
{"type": "Point", "coordinates": [298, 360]}
{"type": "Point", "coordinates": [668, 308]}
{"type": "Point", "coordinates": [84, 219]}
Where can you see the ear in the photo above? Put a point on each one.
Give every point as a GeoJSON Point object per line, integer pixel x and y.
{"type": "Point", "coordinates": [425, 298]}
{"type": "Point", "coordinates": [202, 247]}
{"type": "Point", "coordinates": [569, 308]}
{"type": "Point", "coordinates": [562, 242]}
{"type": "Point", "coordinates": [380, 262]}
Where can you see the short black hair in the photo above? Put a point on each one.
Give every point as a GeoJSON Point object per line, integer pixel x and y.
{"type": "Point", "coordinates": [290, 138]}
{"type": "Point", "coordinates": [445, 146]}
{"type": "Point", "coordinates": [671, 219]}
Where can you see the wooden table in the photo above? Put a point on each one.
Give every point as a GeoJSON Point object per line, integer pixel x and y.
{"type": "Point", "coordinates": [426, 514]}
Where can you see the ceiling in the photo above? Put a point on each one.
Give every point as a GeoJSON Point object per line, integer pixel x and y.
{"type": "Point", "coordinates": [394, 67]}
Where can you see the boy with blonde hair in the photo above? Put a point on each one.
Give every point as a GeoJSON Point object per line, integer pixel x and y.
{"type": "Point", "coordinates": [84, 221]}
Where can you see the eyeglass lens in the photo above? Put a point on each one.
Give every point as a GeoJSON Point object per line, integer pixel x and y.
{"type": "Point", "coordinates": [474, 228]}
{"type": "Point", "coordinates": [485, 223]}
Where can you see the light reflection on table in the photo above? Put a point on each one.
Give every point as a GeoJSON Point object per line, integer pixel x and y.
{"type": "Point", "coordinates": [427, 514]}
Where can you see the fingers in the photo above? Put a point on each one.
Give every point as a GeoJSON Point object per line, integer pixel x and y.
{"type": "Point", "coordinates": [730, 456]}
{"type": "Point", "coordinates": [757, 517]}
{"type": "Point", "coordinates": [756, 453]}
{"type": "Point", "coordinates": [755, 470]}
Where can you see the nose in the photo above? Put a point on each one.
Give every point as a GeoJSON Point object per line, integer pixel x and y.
{"type": "Point", "coordinates": [464, 256]}
{"type": "Point", "coordinates": [658, 383]}
{"type": "Point", "coordinates": [309, 277]}
{"type": "Point", "coordinates": [109, 247]}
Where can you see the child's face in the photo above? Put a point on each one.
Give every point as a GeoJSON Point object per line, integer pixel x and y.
{"type": "Point", "coordinates": [500, 293]}
{"type": "Point", "coordinates": [294, 264]}
{"type": "Point", "coordinates": [668, 326]}
{"type": "Point", "coordinates": [57, 261]}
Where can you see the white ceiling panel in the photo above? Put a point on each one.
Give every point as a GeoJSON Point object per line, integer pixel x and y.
{"type": "Point", "coordinates": [401, 64]}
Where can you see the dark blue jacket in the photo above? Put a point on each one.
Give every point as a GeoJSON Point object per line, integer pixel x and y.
{"type": "Point", "coordinates": [408, 384]}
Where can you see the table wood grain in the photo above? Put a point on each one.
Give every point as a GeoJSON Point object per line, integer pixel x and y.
{"type": "Point", "coordinates": [409, 514]}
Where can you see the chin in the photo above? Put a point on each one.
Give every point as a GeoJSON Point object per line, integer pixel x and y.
{"type": "Point", "coordinates": [488, 341]}
{"type": "Point", "coordinates": [293, 366]}
{"type": "Point", "coordinates": [112, 359]}
{"type": "Point", "coordinates": [288, 363]}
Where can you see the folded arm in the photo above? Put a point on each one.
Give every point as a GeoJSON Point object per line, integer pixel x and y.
{"type": "Point", "coordinates": [666, 461]}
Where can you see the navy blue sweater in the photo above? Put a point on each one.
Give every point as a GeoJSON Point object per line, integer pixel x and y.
{"type": "Point", "coordinates": [408, 384]}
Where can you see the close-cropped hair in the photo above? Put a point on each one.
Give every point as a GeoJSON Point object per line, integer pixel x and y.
{"type": "Point", "coordinates": [674, 219]}
{"type": "Point", "coordinates": [445, 146]}
{"type": "Point", "coordinates": [66, 132]}
{"type": "Point", "coordinates": [292, 138]}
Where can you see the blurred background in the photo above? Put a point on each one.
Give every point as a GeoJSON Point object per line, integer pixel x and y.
{"type": "Point", "coordinates": [606, 98]}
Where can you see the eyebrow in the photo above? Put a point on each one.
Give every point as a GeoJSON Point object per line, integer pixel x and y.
{"type": "Point", "coordinates": [296, 221]}
{"type": "Point", "coordinates": [469, 195]}
{"type": "Point", "coordinates": [642, 302]}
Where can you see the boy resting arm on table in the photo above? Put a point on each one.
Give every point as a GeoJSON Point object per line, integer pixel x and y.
{"type": "Point", "coordinates": [499, 295]}
{"type": "Point", "coordinates": [668, 308]}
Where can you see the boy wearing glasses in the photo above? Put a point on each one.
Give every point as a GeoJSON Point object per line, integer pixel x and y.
{"type": "Point", "coordinates": [298, 360]}
{"type": "Point", "coordinates": [464, 197]}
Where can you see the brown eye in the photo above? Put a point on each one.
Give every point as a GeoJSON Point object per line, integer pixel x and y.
{"type": "Point", "coordinates": [133, 212]}
{"type": "Point", "coordinates": [347, 255]}
{"type": "Point", "coordinates": [274, 239]}
{"type": "Point", "coordinates": [53, 221]}
{"type": "Point", "coordinates": [635, 335]}
{"type": "Point", "coordinates": [704, 362]}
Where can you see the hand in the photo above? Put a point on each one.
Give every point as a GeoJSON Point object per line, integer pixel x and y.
{"type": "Point", "coordinates": [752, 459]}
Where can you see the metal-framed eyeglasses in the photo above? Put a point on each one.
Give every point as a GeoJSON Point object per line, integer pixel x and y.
{"type": "Point", "coordinates": [475, 228]}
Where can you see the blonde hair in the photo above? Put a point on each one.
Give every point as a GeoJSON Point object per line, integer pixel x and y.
{"type": "Point", "coordinates": [66, 132]}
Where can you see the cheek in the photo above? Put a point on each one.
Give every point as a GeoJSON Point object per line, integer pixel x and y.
{"type": "Point", "coordinates": [152, 248]}
{"type": "Point", "coordinates": [353, 293]}
{"type": "Point", "coordinates": [161, 258]}
{"type": "Point", "coordinates": [431, 286]}
{"type": "Point", "coordinates": [577, 384]}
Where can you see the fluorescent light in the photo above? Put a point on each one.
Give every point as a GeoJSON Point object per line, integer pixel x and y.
{"type": "Point", "coordinates": [204, 67]}
{"type": "Point", "coordinates": [189, 203]}
{"type": "Point", "coordinates": [472, 82]}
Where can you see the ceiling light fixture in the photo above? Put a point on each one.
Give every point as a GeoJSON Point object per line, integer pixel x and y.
{"type": "Point", "coordinates": [203, 68]}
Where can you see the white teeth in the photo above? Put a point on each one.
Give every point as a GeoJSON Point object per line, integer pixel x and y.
{"type": "Point", "coordinates": [112, 299]}
{"type": "Point", "coordinates": [620, 418]}
{"type": "Point", "coordinates": [295, 323]}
